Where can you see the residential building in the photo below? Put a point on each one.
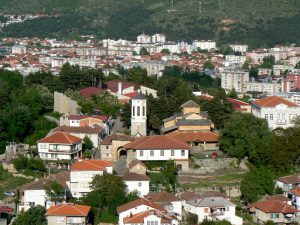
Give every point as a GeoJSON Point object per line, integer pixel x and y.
{"type": "Point", "coordinates": [148, 217]}
{"type": "Point", "coordinates": [240, 106]}
{"type": "Point", "coordinates": [137, 182]}
{"type": "Point", "coordinates": [159, 148]}
{"type": "Point", "coordinates": [171, 203]}
{"type": "Point", "coordinates": [135, 207]}
{"type": "Point", "coordinates": [143, 39]}
{"type": "Point", "coordinates": [274, 210]}
{"type": "Point", "coordinates": [153, 68]}
{"type": "Point", "coordinates": [60, 146]}
{"type": "Point", "coordinates": [296, 80]}
{"type": "Point", "coordinates": [95, 134]}
{"type": "Point", "coordinates": [287, 183]}
{"type": "Point", "coordinates": [138, 116]}
{"type": "Point", "coordinates": [295, 193]}
{"type": "Point", "coordinates": [34, 193]}
{"type": "Point", "coordinates": [277, 111]}
{"type": "Point", "coordinates": [239, 48]}
{"type": "Point", "coordinates": [137, 166]}
{"type": "Point", "coordinates": [211, 206]}
{"type": "Point", "coordinates": [67, 214]}
{"type": "Point", "coordinates": [111, 148]}
{"type": "Point", "coordinates": [82, 173]}
{"type": "Point", "coordinates": [18, 49]}
{"type": "Point", "coordinates": [191, 119]}
{"type": "Point", "coordinates": [158, 38]}
{"type": "Point", "coordinates": [268, 88]}
{"type": "Point", "coordinates": [234, 79]}
{"type": "Point", "coordinates": [204, 45]}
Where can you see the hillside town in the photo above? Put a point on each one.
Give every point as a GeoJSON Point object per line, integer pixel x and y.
{"type": "Point", "coordinates": [148, 151]}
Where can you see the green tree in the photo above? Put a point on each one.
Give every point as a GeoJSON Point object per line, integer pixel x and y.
{"type": "Point", "coordinates": [208, 65]}
{"type": "Point", "coordinates": [34, 216]}
{"type": "Point", "coordinates": [226, 50]}
{"type": "Point", "coordinates": [144, 51]}
{"type": "Point", "coordinates": [243, 134]}
{"type": "Point", "coordinates": [87, 143]}
{"type": "Point", "coordinates": [268, 62]}
{"type": "Point", "coordinates": [232, 94]}
{"type": "Point", "coordinates": [126, 114]}
{"type": "Point", "coordinates": [165, 50]}
{"type": "Point", "coordinates": [55, 192]}
{"type": "Point", "coordinates": [253, 72]}
{"type": "Point", "coordinates": [169, 174]}
{"type": "Point", "coordinates": [297, 65]}
{"type": "Point", "coordinates": [256, 183]}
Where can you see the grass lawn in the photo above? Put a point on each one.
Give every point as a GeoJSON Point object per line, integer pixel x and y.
{"type": "Point", "coordinates": [8, 182]}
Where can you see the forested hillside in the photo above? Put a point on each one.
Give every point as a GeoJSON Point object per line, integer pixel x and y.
{"type": "Point", "coordinates": [259, 23]}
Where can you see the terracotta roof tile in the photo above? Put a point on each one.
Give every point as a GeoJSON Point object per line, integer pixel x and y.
{"type": "Point", "coordinates": [120, 137]}
{"type": "Point", "coordinates": [296, 191]}
{"type": "Point", "coordinates": [273, 206]}
{"type": "Point", "coordinates": [94, 165]}
{"type": "Point", "coordinates": [68, 209]}
{"type": "Point", "coordinates": [157, 142]}
{"type": "Point", "coordinates": [272, 101]}
{"type": "Point", "coordinates": [195, 136]}
{"type": "Point", "coordinates": [84, 130]}
{"type": "Point", "coordinates": [135, 162]}
{"type": "Point", "coordinates": [89, 91]}
{"type": "Point", "coordinates": [81, 117]}
{"type": "Point", "coordinates": [139, 217]}
{"type": "Point", "coordinates": [138, 202]}
{"type": "Point", "coordinates": [60, 138]}
{"type": "Point", "coordinates": [292, 179]}
{"type": "Point", "coordinates": [162, 197]}
{"type": "Point", "coordinates": [135, 177]}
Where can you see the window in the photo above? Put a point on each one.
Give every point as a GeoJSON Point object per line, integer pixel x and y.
{"type": "Point", "coordinates": [162, 153]}
{"type": "Point", "coordinates": [205, 210]}
{"type": "Point", "coordinates": [133, 110]}
{"type": "Point", "coordinates": [139, 184]}
{"type": "Point", "coordinates": [182, 153]}
{"type": "Point", "coordinates": [274, 215]}
{"type": "Point", "coordinates": [266, 116]}
{"type": "Point", "coordinates": [151, 153]}
{"type": "Point", "coordinates": [74, 175]}
{"type": "Point", "coordinates": [141, 153]}
{"type": "Point", "coordinates": [172, 152]}
{"type": "Point", "coordinates": [106, 146]}
{"type": "Point", "coordinates": [144, 111]}
{"type": "Point", "coordinates": [283, 116]}
{"type": "Point", "coordinates": [278, 116]}
{"type": "Point", "coordinates": [138, 111]}
{"type": "Point", "coordinates": [148, 222]}
{"type": "Point", "coordinates": [271, 116]}
{"type": "Point", "coordinates": [31, 204]}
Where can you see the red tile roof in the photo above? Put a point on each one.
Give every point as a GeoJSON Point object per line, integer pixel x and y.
{"type": "Point", "coordinates": [81, 117]}
{"type": "Point", "coordinates": [296, 191]}
{"type": "Point", "coordinates": [132, 94]}
{"type": "Point", "coordinates": [135, 177]}
{"type": "Point", "coordinates": [89, 91]}
{"type": "Point", "coordinates": [272, 101]}
{"type": "Point", "coordinates": [195, 136]}
{"type": "Point", "coordinates": [157, 142]}
{"type": "Point", "coordinates": [94, 165]}
{"type": "Point", "coordinates": [291, 179]}
{"type": "Point", "coordinates": [68, 209]}
{"type": "Point", "coordinates": [60, 138]}
{"type": "Point", "coordinates": [139, 217]}
{"type": "Point", "coordinates": [162, 197]}
{"type": "Point", "coordinates": [84, 130]}
{"type": "Point", "coordinates": [138, 202]}
{"type": "Point", "coordinates": [113, 85]}
{"type": "Point", "coordinates": [273, 206]}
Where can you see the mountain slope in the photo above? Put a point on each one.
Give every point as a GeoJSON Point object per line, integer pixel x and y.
{"type": "Point", "coordinates": [257, 22]}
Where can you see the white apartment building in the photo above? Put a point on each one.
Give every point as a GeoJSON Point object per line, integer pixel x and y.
{"type": "Point", "coordinates": [204, 45]}
{"type": "Point", "coordinates": [83, 172]}
{"type": "Point", "coordinates": [239, 48]}
{"type": "Point", "coordinates": [267, 88]}
{"type": "Point", "coordinates": [143, 38]}
{"type": "Point", "coordinates": [277, 111]}
{"type": "Point", "coordinates": [234, 79]}
{"type": "Point", "coordinates": [18, 49]}
{"type": "Point", "coordinates": [60, 146]}
{"type": "Point", "coordinates": [158, 38]}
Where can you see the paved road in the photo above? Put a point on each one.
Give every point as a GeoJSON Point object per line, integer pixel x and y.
{"type": "Point", "coordinates": [120, 165]}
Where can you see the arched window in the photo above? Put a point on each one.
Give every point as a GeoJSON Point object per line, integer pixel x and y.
{"type": "Point", "coordinates": [138, 111]}
{"type": "Point", "coordinates": [133, 110]}
{"type": "Point", "coordinates": [144, 111]}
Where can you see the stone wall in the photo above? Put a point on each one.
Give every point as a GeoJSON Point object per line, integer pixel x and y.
{"type": "Point", "coordinates": [219, 163]}
{"type": "Point", "coordinates": [65, 105]}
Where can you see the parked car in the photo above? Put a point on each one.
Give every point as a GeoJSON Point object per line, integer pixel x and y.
{"type": "Point", "coordinates": [9, 193]}
{"type": "Point", "coordinates": [6, 209]}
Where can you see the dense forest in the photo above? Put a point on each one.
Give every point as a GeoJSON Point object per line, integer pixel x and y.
{"type": "Point", "coordinates": [257, 23]}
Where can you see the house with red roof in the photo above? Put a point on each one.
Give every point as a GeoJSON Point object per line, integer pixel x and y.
{"type": "Point", "coordinates": [60, 146]}
{"type": "Point", "coordinates": [68, 213]}
{"type": "Point", "coordinates": [287, 183]}
{"type": "Point", "coordinates": [135, 207]}
{"type": "Point", "coordinates": [82, 173]}
{"type": "Point", "coordinates": [277, 111]}
{"type": "Point", "coordinates": [159, 148]}
{"type": "Point", "coordinates": [274, 210]}
{"type": "Point", "coordinates": [240, 106]}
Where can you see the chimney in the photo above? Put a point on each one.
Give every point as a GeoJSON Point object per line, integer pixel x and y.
{"type": "Point", "coordinates": [120, 88]}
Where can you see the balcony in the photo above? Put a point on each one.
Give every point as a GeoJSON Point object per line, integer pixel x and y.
{"type": "Point", "coordinates": [281, 122]}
